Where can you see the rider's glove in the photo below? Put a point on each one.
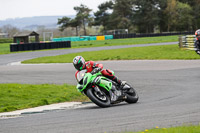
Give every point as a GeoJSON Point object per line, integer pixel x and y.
{"type": "Point", "coordinates": [95, 70]}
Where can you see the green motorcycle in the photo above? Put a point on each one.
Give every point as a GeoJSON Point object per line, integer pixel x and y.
{"type": "Point", "coordinates": [103, 91]}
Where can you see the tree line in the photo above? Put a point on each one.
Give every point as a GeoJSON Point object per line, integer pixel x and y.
{"type": "Point", "coordinates": [138, 16]}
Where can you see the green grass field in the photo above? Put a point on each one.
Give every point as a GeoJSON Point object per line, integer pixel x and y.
{"type": "Point", "coordinates": [182, 129]}
{"type": "Point", "coordinates": [171, 52]}
{"type": "Point", "coordinates": [5, 47]}
{"type": "Point", "coordinates": [21, 96]}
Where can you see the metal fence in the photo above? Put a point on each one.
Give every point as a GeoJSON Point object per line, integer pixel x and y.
{"type": "Point", "coordinates": [136, 35]}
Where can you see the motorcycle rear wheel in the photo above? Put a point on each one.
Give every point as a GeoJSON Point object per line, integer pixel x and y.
{"type": "Point", "coordinates": [101, 101]}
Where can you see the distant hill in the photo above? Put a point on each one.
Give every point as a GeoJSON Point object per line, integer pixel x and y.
{"type": "Point", "coordinates": [31, 23]}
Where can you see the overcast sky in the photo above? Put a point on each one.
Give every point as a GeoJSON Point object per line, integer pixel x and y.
{"type": "Point", "coordinates": [29, 8]}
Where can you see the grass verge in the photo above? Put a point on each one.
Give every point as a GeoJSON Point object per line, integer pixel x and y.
{"type": "Point", "coordinates": [171, 52]}
{"type": "Point", "coordinates": [182, 129]}
{"type": "Point", "coordinates": [21, 96]}
{"type": "Point", "coordinates": [5, 47]}
{"type": "Point", "coordinates": [130, 41]}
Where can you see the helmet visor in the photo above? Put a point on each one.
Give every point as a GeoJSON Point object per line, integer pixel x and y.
{"type": "Point", "coordinates": [78, 66]}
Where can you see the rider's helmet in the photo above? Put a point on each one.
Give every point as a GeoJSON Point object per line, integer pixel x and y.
{"type": "Point", "coordinates": [78, 62]}
{"type": "Point", "coordinates": [197, 33]}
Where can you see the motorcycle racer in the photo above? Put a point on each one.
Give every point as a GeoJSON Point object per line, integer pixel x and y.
{"type": "Point", "coordinates": [92, 67]}
{"type": "Point", "coordinates": [197, 42]}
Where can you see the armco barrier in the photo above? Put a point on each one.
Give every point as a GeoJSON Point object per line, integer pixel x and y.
{"type": "Point", "coordinates": [39, 46]}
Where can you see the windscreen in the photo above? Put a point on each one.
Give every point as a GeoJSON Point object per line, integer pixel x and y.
{"type": "Point", "coordinates": [80, 75]}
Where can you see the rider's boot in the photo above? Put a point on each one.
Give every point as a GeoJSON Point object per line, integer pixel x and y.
{"type": "Point", "coordinates": [122, 84]}
{"type": "Point", "coordinates": [119, 82]}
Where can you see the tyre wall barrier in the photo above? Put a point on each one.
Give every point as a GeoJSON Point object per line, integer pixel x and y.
{"type": "Point", "coordinates": [39, 46]}
{"type": "Point", "coordinates": [187, 42]}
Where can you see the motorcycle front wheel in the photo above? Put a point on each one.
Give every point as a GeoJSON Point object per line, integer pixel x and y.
{"type": "Point", "coordinates": [99, 98]}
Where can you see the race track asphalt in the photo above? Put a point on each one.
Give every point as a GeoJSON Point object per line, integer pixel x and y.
{"type": "Point", "coordinates": [168, 89]}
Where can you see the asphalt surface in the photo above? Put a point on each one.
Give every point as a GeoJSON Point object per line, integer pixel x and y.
{"type": "Point", "coordinates": [168, 89]}
{"type": "Point", "coordinates": [169, 96]}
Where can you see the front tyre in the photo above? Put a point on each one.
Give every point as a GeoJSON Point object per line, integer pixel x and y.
{"type": "Point", "coordinates": [132, 96]}
{"type": "Point", "coordinates": [100, 99]}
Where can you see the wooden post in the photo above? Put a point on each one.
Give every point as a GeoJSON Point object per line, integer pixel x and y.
{"type": "Point", "coordinates": [180, 42]}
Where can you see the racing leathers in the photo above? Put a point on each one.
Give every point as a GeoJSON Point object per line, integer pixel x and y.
{"type": "Point", "coordinates": [197, 45]}
{"type": "Point", "coordinates": [91, 67]}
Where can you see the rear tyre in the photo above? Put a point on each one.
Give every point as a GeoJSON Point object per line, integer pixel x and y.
{"type": "Point", "coordinates": [99, 99]}
{"type": "Point", "coordinates": [132, 96]}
